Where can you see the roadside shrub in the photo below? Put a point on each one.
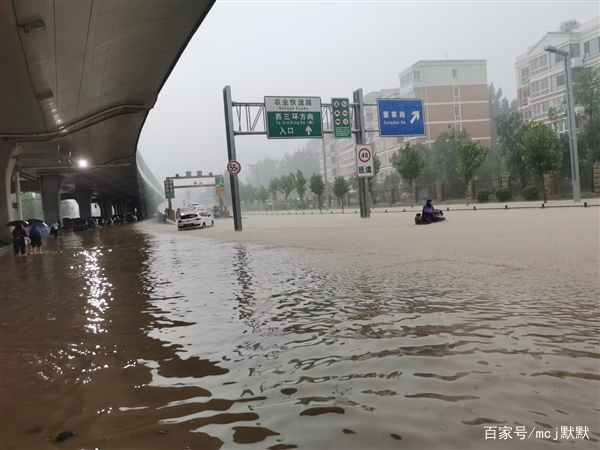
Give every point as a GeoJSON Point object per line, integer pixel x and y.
{"type": "Point", "coordinates": [503, 194]}
{"type": "Point", "coordinates": [530, 193]}
{"type": "Point", "coordinates": [483, 196]}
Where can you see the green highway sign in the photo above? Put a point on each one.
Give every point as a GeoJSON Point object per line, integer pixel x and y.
{"type": "Point", "coordinates": [293, 117]}
{"type": "Point", "coordinates": [169, 189]}
{"type": "Point", "coordinates": [219, 181]}
{"type": "Point", "coordinates": [340, 109]}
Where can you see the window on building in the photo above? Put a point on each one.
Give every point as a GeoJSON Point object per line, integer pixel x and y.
{"type": "Point", "coordinates": [406, 78]}
{"type": "Point", "coordinates": [525, 75]}
{"type": "Point", "coordinates": [418, 93]}
{"type": "Point", "coordinates": [591, 48]}
{"type": "Point", "coordinates": [560, 81]}
{"type": "Point", "coordinates": [559, 59]}
{"type": "Point", "coordinates": [454, 73]}
{"type": "Point", "coordinates": [540, 87]}
{"type": "Point", "coordinates": [417, 75]}
{"type": "Point", "coordinates": [457, 111]}
{"type": "Point", "coordinates": [574, 50]}
{"type": "Point", "coordinates": [527, 114]}
{"type": "Point", "coordinates": [456, 91]}
{"type": "Point", "coordinates": [538, 65]}
{"type": "Point", "coordinates": [389, 142]}
{"type": "Point", "coordinates": [525, 96]}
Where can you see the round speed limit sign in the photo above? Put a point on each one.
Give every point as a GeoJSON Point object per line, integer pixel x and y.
{"type": "Point", "coordinates": [364, 154]}
{"type": "Point", "coordinates": [234, 167]}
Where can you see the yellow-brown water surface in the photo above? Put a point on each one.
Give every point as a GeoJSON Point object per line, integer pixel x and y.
{"type": "Point", "coordinates": [136, 339]}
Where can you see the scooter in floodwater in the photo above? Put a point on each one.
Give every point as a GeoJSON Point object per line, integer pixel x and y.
{"type": "Point", "coordinates": [437, 216]}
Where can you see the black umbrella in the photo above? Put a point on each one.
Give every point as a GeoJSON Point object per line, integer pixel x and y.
{"type": "Point", "coordinates": [35, 221]}
{"type": "Point", "coordinates": [14, 223]}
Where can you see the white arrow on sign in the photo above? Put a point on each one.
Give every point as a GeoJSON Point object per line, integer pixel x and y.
{"type": "Point", "coordinates": [308, 130]}
{"type": "Point", "coordinates": [416, 115]}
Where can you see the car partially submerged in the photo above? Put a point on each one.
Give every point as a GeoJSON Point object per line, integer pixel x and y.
{"type": "Point", "coordinates": [189, 219]}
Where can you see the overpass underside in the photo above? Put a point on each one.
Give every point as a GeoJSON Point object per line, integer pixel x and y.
{"type": "Point", "coordinates": [78, 80]}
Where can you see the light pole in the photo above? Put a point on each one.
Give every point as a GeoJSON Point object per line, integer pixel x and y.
{"type": "Point", "coordinates": [572, 124]}
{"type": "Point", "coordinates": [257, 182]}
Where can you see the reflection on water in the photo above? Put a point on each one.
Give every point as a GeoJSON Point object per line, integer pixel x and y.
{"type": "Point", "coordinates": [154, 341]}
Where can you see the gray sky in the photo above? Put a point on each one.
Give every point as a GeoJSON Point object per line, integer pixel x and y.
{"type": "Point", "coordinates": [326, 49]}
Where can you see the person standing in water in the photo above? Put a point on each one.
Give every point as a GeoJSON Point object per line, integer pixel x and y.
{"type": "Point", "coordinates": [54, 228]}
{"type": "Point", "coordinates": [19, 234]}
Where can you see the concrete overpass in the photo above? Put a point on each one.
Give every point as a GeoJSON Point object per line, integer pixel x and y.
{"type": "Point", "coordinates": [77, 81]}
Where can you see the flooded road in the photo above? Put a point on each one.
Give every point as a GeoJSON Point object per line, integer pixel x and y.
{"type": "Point", "coordinates": [135, 339]}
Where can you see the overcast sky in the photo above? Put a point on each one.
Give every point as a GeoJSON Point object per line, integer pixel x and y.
{"type": "Point", "coordinates": [326, 49]}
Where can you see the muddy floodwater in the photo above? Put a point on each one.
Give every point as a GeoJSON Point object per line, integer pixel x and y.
{"type": "Point", "coordinates": [139, 338]}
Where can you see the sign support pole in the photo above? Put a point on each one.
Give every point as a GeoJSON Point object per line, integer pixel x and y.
{"type": "Point", "coordinates": [363, 183]}
{"type": "Point", "coordinates": [235, 190]}
{"type": "Point", "coordinates": [327, 195]}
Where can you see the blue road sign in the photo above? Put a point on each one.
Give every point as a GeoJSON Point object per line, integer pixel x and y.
{"type": "Point", "coordinates": [401, 117]}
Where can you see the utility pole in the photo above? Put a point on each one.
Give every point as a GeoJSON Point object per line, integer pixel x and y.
{"type": "Point", "coordinates": [327, 193]}
{"type": "Point", "coordinates": [363, 183]}
{"type": "Point", "coordinates": [572, 122]}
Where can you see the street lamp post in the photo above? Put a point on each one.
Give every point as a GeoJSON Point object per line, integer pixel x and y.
{"type": "Point", "coordinates": [572, 123]}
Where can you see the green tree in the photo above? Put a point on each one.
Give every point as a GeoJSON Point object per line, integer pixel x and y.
{"type": "Point", "coordinates": [247, 193]}
{"type": "Point", "coordinates": [541, 152]}
{"type": "Point", "coordinates": [287, 184]}
{"type": "Point", "coordinates": [263, 194]}
{"type": "Point", "coordinates": [443, 156]}
{"type": "Point", "coordinates": [587, 94]}
{"type": "Point", "coordinates": [274, 187]}
{"type": "Point", "coordinates": [393, 179]}
{"type": "Point", "coordinates": [510, 129]}
{"type": "Point", "coordinates": [471, 156]}
{"type": "Point", "coordinates": [301, 159]}
{"type": "Point", "coordinates": [353, 182]}
{"type": "Point", "coordinates": [568, 26]}
{"type": "Point", "coordinates": [372, 181]}
{"type": "Point", "coordinates": [300, 183]}
{"type": "Point", "coordinates": [317, 187]}
{"type": "Point", "coordinates": [409, 164]}
{"type": "Point", "coordinates": [340, 188]}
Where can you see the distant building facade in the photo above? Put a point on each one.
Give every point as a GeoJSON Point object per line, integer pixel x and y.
{"type": "Point", "coordinates": [455, 96]}
{"type": "Point", "coordinates": [541, 83]}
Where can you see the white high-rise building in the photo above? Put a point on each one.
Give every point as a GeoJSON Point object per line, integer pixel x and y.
{"type": "Point", "coordinates": [541, 81]}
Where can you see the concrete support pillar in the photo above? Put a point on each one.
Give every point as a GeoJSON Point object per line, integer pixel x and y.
{"type": "Point", "coordinates": [18, 195]}
{"type": "Point", "coordinates": [143, 208]}
{"type": "Point", "coordinates": [107, 205]}
{"type": "Point", "coordinates": [84, 199]}
{"type": "Point", "coordinates": [120, 206]}
{"type": "Point", "coordinates": [50, 186]}
{"type": "Point", "coordinates": [135, 205]}
{"type": "Point", "coordinates": [7, 164]}
{"type": "Point", "coordinates": [596, 178]}
{"type": "Point", "coordinates": [439, 191]}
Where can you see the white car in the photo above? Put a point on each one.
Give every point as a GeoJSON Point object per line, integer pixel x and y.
{"type": "Point", "coordinates": [198, 207]}
{"type": "Point", "coordinates": [194, 220]}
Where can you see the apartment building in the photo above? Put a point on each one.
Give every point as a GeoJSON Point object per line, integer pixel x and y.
{"type": "Point", "coordinates": [455, 96]}
{"type": "Point", "coordinates": [541, 83]}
